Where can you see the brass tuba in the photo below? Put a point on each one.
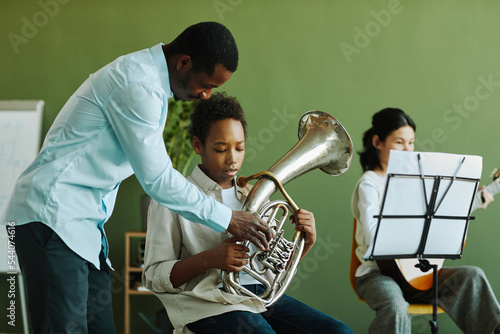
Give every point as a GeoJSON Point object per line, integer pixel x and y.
{"type": "Point", "coordinates": [323, 143]}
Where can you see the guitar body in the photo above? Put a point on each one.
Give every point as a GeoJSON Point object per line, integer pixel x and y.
{"type": "Point", "coordinates": [407, 275]}
{"type": "Point", "coordinates": [404, 271]}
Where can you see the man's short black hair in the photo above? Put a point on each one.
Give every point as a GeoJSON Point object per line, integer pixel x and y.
{"type": "Point", "coordinates": [217, 108]}
{"type": "Point", "coordinates": [208, 44]}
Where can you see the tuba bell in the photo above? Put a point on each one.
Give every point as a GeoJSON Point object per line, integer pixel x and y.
{"type": "Point", "coordinates": [323, 143]}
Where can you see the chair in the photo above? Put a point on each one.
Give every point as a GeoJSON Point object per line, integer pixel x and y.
{"type": "Point", "coordinates": [413, 309]}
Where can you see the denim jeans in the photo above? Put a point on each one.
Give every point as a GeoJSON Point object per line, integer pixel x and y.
{"type": "Point", "coordinates": [287, 315]}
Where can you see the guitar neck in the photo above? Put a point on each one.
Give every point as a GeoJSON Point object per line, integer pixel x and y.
{"type": "Point", "coordinates": [493, 188]}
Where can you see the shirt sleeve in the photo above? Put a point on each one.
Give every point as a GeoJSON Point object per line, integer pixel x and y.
{"type": "Point", "coordinates": [135, 112]}
{"type": "Point", "coordinates": [163, 247]}
{"type": "Point", "coordinates": [368, 206]}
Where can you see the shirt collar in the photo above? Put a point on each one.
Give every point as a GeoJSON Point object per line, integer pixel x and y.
{"type": "Point", "coordinates": [206, 183]}
{"type": "Point", "coordinates": [202, 180]}
{"type": "Point", "coordinates": [161, 64]}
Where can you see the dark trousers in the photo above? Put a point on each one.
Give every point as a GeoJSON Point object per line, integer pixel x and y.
{"type": "Point", "coordinates": [66, 294]}
{"type": "Point", "coordinates": [287, 315]}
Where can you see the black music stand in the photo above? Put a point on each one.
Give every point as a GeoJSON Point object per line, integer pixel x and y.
{"type": "Point", "coordinates": [425, 215]}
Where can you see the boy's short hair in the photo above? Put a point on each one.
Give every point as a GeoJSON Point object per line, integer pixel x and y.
{"type": "Point", "coordinates": [217, 108]}
{"type": "Point", "coordinates": [208, 44]}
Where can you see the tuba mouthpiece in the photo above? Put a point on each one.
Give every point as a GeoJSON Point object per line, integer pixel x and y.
{"type": "Point", "coordinates": [242, 181]}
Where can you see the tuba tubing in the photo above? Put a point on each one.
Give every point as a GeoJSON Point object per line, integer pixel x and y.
{"type": "Point", "coordinates": [323, 143]}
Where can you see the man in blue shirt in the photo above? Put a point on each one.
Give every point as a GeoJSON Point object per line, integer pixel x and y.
{"type": "Point", "coordinates": [112, 127]}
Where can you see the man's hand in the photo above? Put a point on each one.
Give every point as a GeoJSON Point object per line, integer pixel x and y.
{"type": "Point", "coordinates": [248, 226]}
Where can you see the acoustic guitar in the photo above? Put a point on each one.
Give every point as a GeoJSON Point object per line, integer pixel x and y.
{"type": "Point", "coordinates": [407, 274]}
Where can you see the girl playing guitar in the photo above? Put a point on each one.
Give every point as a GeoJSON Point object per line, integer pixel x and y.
{"type": "Point", "coordinates": [464, 292]}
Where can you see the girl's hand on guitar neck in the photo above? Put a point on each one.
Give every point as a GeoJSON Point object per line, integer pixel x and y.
{"type": "Point", "coordinates": [486, 196]}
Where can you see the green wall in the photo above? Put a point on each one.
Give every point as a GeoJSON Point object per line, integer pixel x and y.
{"type": "Point", "coordinates": [437, 60]}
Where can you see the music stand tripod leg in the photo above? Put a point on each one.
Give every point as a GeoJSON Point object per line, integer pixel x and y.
{"type": "Point", "coordinates": [425, 266]}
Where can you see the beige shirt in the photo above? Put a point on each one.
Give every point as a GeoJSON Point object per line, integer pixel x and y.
{"type": "Point", "coordinates": [170, 238]}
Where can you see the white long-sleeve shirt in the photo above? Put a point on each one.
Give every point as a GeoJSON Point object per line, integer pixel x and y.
{"type": "Point", "coordinates": [365, 204]}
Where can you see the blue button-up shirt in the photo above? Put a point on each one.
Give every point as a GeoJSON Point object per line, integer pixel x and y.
{"type": "Point", "coordinates": [112, 127]}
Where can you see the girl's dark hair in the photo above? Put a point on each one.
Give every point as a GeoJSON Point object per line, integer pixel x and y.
{"type": "Point", "coordinates": [217, 108]}
{"type": "Point", "coordinates": [384, 123]}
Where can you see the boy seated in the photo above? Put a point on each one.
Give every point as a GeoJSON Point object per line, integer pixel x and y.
{"type": "Point", "coordinates": [183, 260]}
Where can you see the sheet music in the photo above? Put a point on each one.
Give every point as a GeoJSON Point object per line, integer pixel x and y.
{"type": "Point", "coordinates": [405, 197]}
